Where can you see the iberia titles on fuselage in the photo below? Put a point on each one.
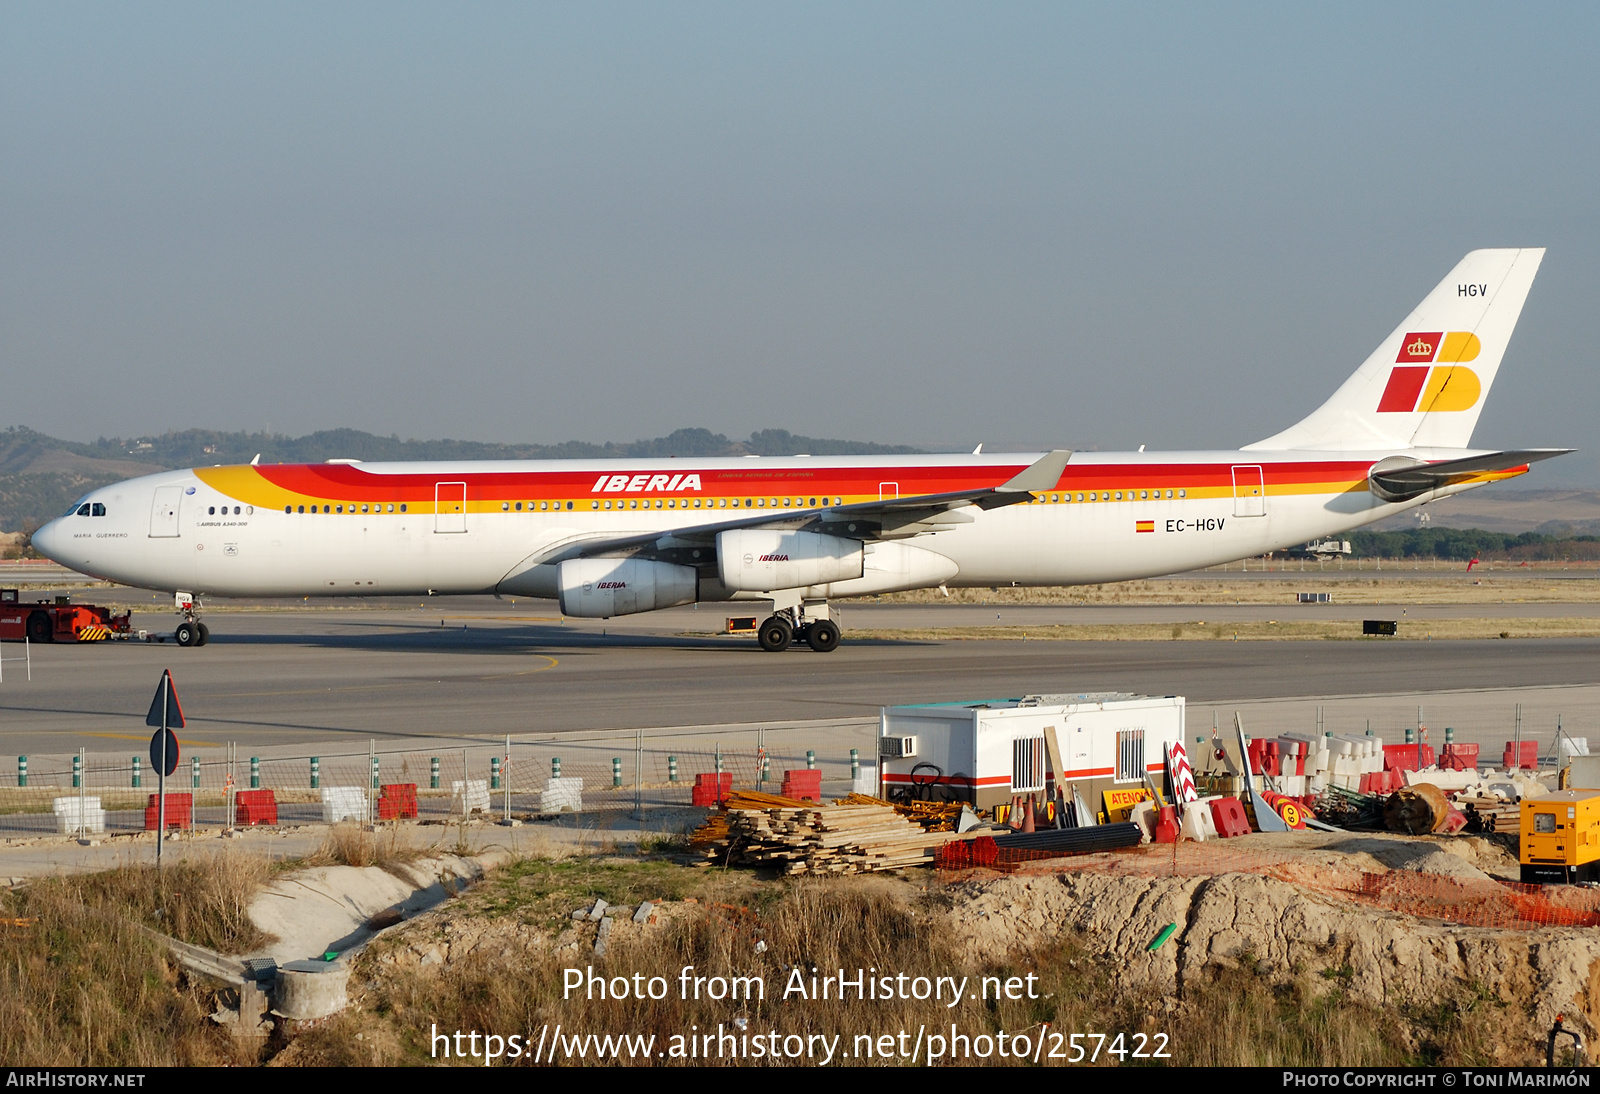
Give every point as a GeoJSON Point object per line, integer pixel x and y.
{"type": "Point", "coordinates": [616, 537]}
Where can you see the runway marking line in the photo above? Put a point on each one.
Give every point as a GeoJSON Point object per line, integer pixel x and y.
{"type": "Point", "coordinates": [525, 672]}
{"type": "Point", "coordinates": [136, 737]}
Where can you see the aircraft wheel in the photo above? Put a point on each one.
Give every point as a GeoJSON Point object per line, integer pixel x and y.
{"type": "Point", "coordinates": [39, 629]}
{"type": "Point", "coordinates": [823, 635]}
{"type": "Point", "coordinates": [775, 634]}
{"type": "Point", "coordinates": [187, 634]}
{"type": "Point", "coordinates": [205, 634]}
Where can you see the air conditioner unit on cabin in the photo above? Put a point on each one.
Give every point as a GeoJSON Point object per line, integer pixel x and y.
{"type": "Point", "coordinates": [895, 748]}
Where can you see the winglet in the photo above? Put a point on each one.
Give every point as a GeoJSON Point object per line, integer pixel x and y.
{"type": "Point", "coordinates": [1042, 474]}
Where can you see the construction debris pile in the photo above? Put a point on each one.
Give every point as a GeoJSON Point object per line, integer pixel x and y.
{"type": "Point", "coordinates": [1361, 782]}
{"type": "Point", "coordinates": [855, 835]}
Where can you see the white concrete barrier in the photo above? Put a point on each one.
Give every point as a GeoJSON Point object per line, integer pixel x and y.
{"type": "Point", "coordinates": [469, 797]}
{"type": "Point", "coordinates": [343, 803]}
{"type": "Point", "coordinates": [562, 796]}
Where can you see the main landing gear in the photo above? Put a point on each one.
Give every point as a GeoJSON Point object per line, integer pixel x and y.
{"type": "Point", "coordinates": [779, 632]}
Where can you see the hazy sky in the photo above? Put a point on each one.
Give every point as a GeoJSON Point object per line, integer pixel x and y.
{"type": "Point", "coordinates": [930, 224]}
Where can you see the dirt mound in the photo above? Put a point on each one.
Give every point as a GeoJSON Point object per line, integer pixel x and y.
{"type": "Point", "coordinates": [1285, 934]}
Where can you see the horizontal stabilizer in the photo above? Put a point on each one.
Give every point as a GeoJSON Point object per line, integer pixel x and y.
{"type": "Point", "coordinates": [1401, 478]}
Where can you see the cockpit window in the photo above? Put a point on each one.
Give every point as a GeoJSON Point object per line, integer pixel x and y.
{"type": "Point", "coordinates": [98, 509]}
{"type": "Point", "coordinates": [83, 510]}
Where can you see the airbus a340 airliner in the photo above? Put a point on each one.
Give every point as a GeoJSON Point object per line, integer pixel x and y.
{"type": "Point", "coordinates": [612, 537]}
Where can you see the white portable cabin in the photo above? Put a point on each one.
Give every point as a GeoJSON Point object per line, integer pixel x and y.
{"type": "Point", "coordinates": [984, 752]}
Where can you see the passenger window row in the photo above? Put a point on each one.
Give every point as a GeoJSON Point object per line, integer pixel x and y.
{"type": "Point", "coordinates": [377, 508]}
{"type": "Point", "coordinates": [715, 503]}
{"type": "Point", "coordinates": [211, 510]}
{"type": "Point", "coordinates": [1108, 495]}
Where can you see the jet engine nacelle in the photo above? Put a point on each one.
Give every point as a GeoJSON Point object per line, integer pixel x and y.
{"type": "Point", "coordinates": [759, 560]}
{"type": "Point", "coordinates": [598, 588]}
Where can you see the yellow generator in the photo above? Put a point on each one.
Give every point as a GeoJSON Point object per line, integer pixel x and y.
{"type": "Point", "coordinates": [1561, 837]}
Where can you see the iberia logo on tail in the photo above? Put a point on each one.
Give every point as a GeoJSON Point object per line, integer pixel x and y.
{"type": "Point", "coordinates": [1430, 374]}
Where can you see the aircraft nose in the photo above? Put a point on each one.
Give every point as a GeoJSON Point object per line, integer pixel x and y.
{"type": "Point", "coordinates": [47, 540]}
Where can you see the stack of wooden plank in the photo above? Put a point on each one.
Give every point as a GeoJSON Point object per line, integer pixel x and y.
{"type": "Point", "coordinates": [820, 839]}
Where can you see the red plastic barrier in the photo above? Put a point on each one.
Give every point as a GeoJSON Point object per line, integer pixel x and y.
{"type": "Point", "coordinates": [802, 785]}
{"type": "Point", "coordinates": [711, 788]}
{"type": "Point", "coordinates": [1408, 757]}
{"type": "Point", "coordinates": [397, 801]}
{"type": "Point", "coordinates": [1459, 757]}
{"type": "Point", "coordinates": [180, 812]}
{"type": "Point", "coordinates": [1228, 816]}
{"type": "Point", "coordinates": [1167, 826]}
{"type": "Point", "coordinates": [1528, 758]}
{"type": "Point", "coordinates": [252, 807]}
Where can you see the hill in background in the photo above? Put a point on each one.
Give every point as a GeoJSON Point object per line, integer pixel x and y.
{"type": "Point", "coordinates": [41, 475]}
{"type": "Point", "coordinates": [1511, 509]}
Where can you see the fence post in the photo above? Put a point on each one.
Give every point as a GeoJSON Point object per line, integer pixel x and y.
{"type": "Point", "coordinates": [136, 772]}
{"type": "Point", "coordinates": [316, 772]}
{"type": "Point", "coordinates": [22, 771]}
{"type": "Point", "coordinates": [77, 770]}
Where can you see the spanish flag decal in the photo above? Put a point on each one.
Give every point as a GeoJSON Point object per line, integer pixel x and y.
{"type": "Point", "coordinates": [1144, 526]}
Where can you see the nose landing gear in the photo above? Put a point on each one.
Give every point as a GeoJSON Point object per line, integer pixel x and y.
{"type": "Point", "coordinates": [190, 632]}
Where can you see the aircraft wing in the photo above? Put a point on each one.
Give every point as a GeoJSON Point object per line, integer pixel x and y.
{"type": "Point", "coordinates": [887, 518]}
{"type": "Point", "coordinates": [1401, 478]}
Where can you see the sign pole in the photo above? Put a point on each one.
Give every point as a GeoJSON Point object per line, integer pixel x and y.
{"type": "Point", "coordinates": [161, 780]}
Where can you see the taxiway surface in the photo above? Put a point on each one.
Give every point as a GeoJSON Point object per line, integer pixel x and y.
{"type": "Point", "coordinates": [456, 669]}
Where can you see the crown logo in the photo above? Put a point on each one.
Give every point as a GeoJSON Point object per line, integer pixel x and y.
{"type": "Point", "coordinates": [1419, 348]}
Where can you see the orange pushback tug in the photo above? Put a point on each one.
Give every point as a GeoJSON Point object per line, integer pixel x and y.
{"type": "Point", "coordinates": [57, 621]}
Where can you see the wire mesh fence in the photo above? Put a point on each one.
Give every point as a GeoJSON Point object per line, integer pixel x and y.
{"type": "Point", "coordinates": [515, 777]}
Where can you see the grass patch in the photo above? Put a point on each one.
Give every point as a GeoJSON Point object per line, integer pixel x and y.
{"type": "Point", "coordinates": [1254, 1023]}
{"type": "Point", "coordinates": [1251, 631]}
{"type": "Point", "coordinates": [1405, 583]}
{"type": "Point", "coordinates": [545, 891]}
{"type": "Point", "coordinates": [802, 923]}
{"type": "Point", "coordinates": [350, 844]}
{"type": "Point", "coordinates": [81, 985]}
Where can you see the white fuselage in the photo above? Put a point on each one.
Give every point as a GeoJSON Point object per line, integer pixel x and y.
{"type": "Point", "coordinates": [391, 529]}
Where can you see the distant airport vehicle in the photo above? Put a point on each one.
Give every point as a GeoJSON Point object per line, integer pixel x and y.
{"type": "Point", "coordinates": [57, 620]}
{"type": "Point", "coordinates": [1321, 550]}
{"type": "Point", "coordinates": [615, 537]}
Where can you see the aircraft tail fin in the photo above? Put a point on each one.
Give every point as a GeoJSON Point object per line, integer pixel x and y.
{"type": "Point", "coordinates": [1425, 385]}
